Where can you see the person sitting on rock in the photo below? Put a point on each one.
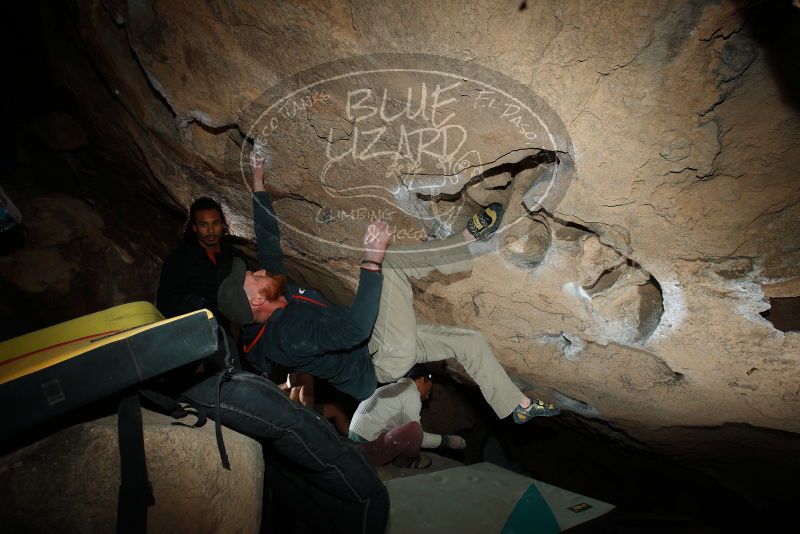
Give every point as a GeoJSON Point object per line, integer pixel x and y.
{"type": "Point", "coordinates": [312, 474]}
{"type": "Point", "coordinates": [303, 332]}
{"type": "Point", "coordinates": [387, 425]}
{"type": "Point", "coordinates": [192, 272]}
{"type": "Point", "coordinates": [190, 275]}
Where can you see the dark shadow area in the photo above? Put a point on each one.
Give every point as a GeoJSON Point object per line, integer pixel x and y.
{"type": "Point", "coordinates": [775, 26]}
{"type": "Point", "coordinates": [85, 414]}
{"type": "Point", "coordinates": [513, 168]}
{"type": "Point", "coordinates": [784, 314]}
{"type": "Point", "coordinates": [516, 167]}
{"type": "Point", "coordinates": [11, 240]}
{"type": "Point", "coordinates": [653, 492]}
{"type": "Point", "coordinates": [89, 207]}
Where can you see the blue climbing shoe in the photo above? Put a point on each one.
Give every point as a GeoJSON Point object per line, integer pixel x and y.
{"type": "Point", "coordinates": [538, 408]}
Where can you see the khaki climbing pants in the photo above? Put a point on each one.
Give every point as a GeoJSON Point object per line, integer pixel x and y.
{"type": "Point", "coordinates": [398, 342]}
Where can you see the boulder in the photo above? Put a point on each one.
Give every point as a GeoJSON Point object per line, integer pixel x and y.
{"type": "Point", "coordinates": [69, 481]}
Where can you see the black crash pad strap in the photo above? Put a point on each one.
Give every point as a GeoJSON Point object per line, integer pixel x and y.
{"type": "Point", "coordinates": [135, 490]}
{"type": "Point", "coordinates": [173, 408]}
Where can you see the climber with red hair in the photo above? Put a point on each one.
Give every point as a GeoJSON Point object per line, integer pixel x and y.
{"type": "Point", "coordinates": [376, 338]}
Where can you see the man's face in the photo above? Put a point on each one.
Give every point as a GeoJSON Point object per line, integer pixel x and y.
{"type": "Point", "coordinates": [255, 282]}
{"type": "Point", "coordinates": [208, 227]}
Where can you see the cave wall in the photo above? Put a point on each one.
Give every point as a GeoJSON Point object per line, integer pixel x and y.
{"type": "Point", "coordinates": [95, 226]}
{"type": "Point", "coordinates": [633, 295]}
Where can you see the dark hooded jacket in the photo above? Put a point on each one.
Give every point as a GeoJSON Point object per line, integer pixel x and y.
{"type": "Point", "coordinates": [189, 279]}
{"type": "Point", "coordinates": [311, 335]}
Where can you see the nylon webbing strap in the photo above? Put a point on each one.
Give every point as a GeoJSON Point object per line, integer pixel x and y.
{"type": "Point", "coordinates": [173, 408]}
{"type": "Point", "coordinates": [223, 377]}
{"type": "Point", "coordinates": [135, 491]}
{"type": "Point", "coordinates": [223, 453]}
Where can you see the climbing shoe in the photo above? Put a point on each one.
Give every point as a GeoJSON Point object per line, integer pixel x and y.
{"type": "Point", "coordinates": [538, 408]}
{"type": "Point", "coordinates": [418, 462]}
{"type": "Point", "coordinates": [483, 224]}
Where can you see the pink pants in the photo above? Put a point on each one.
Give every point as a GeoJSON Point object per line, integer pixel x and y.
{"type": "Point", "coordinates": [402, 442]}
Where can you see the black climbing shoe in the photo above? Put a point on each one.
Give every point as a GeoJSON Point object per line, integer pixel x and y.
{"type": "Point", "coordinates": [484, 224]}
{"type": "Point", "coordinates": [422, 461]}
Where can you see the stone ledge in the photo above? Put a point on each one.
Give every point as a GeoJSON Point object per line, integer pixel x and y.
{"type": "Point", "coordinates": [68, 482]}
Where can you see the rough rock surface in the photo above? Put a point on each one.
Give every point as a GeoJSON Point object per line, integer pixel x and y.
{"type": "Point", "coordinates": [653, 201]}
{"type": "Point", "coordinates": [69, 482]}
{"type": "Point", "coordinates": [68, 258]}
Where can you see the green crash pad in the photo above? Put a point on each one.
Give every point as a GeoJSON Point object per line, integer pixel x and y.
{"type": "Point", "coordinates": [484, 499]}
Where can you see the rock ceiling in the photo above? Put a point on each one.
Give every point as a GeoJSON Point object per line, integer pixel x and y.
{"type": "Point", "coordinates": [648, 157]}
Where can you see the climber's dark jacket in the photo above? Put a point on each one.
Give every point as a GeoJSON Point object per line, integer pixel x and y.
{"type": "Point", "coordinates": [311, 335]}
